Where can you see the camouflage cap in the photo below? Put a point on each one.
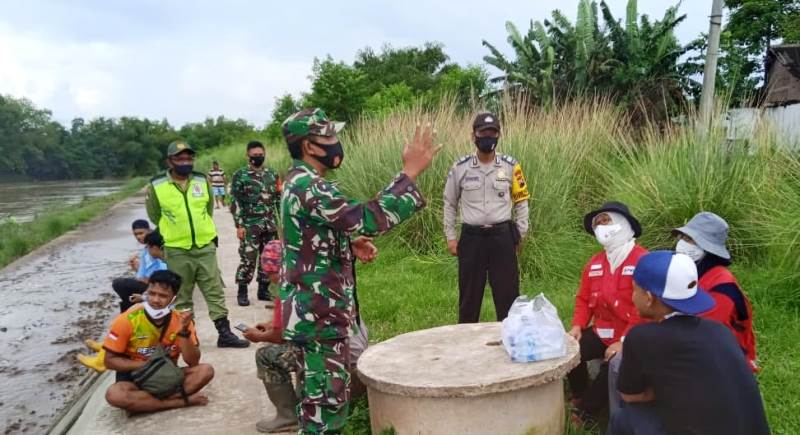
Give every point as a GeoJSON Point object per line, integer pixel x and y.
{"type": "Point", "coordinates": [307, 122]}
{"type": "Point", "coordinates": [178, 147]}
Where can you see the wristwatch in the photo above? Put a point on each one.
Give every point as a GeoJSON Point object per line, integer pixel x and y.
{"type": "Point", "coordinates": [184, 333]}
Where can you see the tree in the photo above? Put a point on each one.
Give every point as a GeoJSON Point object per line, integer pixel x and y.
{"type": "Point", "coordinates": [337, 88]}
{"type": "Point", "coordinates": [284, 107]}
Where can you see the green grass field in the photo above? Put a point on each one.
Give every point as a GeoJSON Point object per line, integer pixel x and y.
{"type": "Point", "coordinates": [576, 157]}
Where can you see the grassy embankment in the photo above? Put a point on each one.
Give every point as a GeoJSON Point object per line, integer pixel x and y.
{"type": "Point", "coordinates": [18, 239]}
{"type": "Point", "coordinates": [576, 157]}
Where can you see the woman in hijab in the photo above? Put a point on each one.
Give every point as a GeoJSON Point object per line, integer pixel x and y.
{"type": "Point", "coordinates": [703, 239]}
{"type": "Point", "coordinates": [604, 310]}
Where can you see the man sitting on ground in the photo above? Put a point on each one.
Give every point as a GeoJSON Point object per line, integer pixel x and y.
{"type": "Point", "coordinates": [682, 374]}
{"type": "Point", "coordinates": [136, 333]}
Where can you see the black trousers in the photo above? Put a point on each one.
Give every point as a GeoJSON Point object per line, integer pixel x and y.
{"type": "Point", "coordinates": [486, 253]}
{"type": "Point", "coordinates": [125, 287]}
{"type": "Point", "coordinates": [594, 396]}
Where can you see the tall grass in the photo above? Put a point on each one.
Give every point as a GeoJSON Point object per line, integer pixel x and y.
{"type": "Point", "coordinates": [18, 239]}
{"type": "Point", "coordinates": [576, 157]}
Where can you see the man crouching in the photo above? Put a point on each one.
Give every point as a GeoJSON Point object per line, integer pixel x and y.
{"type": "Point", "coordinates": [142, 331]}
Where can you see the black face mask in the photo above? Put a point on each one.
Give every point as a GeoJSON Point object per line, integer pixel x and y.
{"type": "Point", "coordinates": [332, 151]}
{"type": "Point", "coordinates": [257, 161]}
{"type": "Point", "coordinates": [486, 144]}
{"type": "Point", "coordinates": [183, 170]}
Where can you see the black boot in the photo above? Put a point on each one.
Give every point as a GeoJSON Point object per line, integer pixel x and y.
{"type": "Point", "coordinates": [263, 292]}
{"type": "Point", "coordinates": [241, 297]}
{"type": "Point", "coordinates": [226, 337]}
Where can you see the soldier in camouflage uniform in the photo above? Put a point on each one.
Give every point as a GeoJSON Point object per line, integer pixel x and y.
{"type": "Point", "coordinates": [323, 231]}
{"type": "Point", "coordinates": [255, 190]}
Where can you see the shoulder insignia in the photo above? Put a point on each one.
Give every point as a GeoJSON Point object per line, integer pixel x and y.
{"type": "Point", "coordinates": [463, 160]}
{"type": "Point", "coordinates": [508, 159]}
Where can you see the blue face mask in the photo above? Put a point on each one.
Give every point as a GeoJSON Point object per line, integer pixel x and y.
{"type": "Point", "coordinates": [183, 170]}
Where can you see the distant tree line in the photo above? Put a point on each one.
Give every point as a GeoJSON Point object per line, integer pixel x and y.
{"type": "Point", "coordinates": [629, 58]}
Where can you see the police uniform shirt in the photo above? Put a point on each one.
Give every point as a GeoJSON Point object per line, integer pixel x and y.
{"type": "Point", "coordinates": [486, 192]}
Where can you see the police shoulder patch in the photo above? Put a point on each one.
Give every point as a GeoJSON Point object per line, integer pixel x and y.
{"type": "Point", "coordinates": [508, 159]}
{"type": "Point", "coordinates": [463, 160]}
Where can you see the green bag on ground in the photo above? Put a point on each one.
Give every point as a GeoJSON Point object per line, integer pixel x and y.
{"type": "Point", "coordinates": [160, 377]}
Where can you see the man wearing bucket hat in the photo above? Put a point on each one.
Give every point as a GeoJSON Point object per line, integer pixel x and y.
{"type": "Point", "coordinates": [703, 239]}
{"type": "Point", "coordinates": [682, 374]}
{"type": "Point", "coordinates": [323, 231]}
{"type": "Point", "coordinates": [604, 312]}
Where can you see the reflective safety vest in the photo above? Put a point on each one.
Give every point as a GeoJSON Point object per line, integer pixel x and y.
{"type": "Point", "coordinates": [184, 221]}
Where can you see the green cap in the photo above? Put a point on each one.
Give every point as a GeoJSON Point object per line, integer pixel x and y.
{"type": "Point", "coordinates": [307, 122]}
{"type": "Point", "coordinates": [177, 147]}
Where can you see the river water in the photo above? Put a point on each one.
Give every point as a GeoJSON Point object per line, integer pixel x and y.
{"type": "Point", "coordinates": [24, 200]}
{"type": "Point", "coordinates": [51, 301]}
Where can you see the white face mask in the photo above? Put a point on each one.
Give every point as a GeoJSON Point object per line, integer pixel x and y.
{"type": "Point", "coordinates": [694, 252]}
{"type": "Point", "coordinates": [605, 233]}
{"type": "Point", "coordinates": [156, 314]}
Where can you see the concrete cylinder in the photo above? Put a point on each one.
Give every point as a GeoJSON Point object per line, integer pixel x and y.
{"type": "Point", "coordinates": [458, 379]}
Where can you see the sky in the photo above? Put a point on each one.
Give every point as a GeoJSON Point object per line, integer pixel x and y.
{"type": "Point", "coordinates": [187, 60]}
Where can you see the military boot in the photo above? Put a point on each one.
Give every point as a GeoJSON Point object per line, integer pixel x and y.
{"type": "Point", "coordinates": [264, 294]}
{"type": "Point", "coordinates": [285, 401]}
{"type": "Point", "coordinates": [241, 297]}
{"type": "Point", "coordinates": [226, 337]}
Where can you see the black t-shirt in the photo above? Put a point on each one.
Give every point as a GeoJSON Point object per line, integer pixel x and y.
{"type": "Point", "coordinates": [701, 381]}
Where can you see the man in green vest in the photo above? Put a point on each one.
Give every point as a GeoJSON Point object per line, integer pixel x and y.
{"type": "Point", "coordinates": [180, 202]}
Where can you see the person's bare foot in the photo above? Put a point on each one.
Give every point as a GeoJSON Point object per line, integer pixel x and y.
{"type": "Point", "coordinates": [198, 399]}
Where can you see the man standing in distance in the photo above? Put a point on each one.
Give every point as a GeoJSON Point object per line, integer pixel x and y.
{"type": "Point", "coordinates": [217, 178]}
{"type": "Point", "coordinates": [180, 202]}
{"type": "Point", "coordinates": [256, 191]}
{"type": "Point", "coordinates": [490, 188]}
{"type": "Point", "coordinates": [321, 229]}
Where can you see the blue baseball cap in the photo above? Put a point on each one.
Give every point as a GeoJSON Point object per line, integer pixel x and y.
{"type": "Point", "coordinates": [672, 278]}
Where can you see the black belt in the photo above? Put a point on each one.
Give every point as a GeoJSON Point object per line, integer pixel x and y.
{"type": "Point", "coordinates": [487, 230]}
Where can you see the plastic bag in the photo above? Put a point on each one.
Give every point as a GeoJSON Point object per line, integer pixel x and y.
{"type": "Point", "coordinates": [532, 331]}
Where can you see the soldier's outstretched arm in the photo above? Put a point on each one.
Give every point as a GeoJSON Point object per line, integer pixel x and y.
{"type": "Point", "coordinates": [396, 203]}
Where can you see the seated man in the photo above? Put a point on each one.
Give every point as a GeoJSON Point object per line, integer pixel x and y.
{"type": "Point", "coordinates": [135, 334]}
{"type": "Point", "coordinates": [682, 374]}
{"type": "Point", "coordinates": [155, 249]}
{"type": "Point", "coordinates": [277, 360]}
{"type": "Point", "coordinates": [125, 287]}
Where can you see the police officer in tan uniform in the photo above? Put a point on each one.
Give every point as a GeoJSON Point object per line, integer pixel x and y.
{"type": "Point", "coordinates": [490, 192]}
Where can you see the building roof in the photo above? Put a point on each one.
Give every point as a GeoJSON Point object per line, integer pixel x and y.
{"type": "Point", "coordinates": [783, 75]}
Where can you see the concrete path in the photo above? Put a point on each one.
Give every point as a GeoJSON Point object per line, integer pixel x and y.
{"type": "Point", "coordinates": [236, 397]}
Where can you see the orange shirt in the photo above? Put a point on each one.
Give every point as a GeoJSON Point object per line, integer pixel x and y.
{"type": "Point", "coordinates": [134, 335]}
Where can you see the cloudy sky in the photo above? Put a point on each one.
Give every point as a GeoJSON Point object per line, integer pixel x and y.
{"type": "Point", "coordinates": [185, 60]}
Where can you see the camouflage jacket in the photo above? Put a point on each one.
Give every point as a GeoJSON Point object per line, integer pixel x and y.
{"type": "Point", "coordinates": [256, 196]}
{"type": "Point", "coordinates": [317, 268]}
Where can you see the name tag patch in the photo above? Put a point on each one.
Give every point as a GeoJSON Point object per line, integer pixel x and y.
{"type": "Point", "coordinates": [596, 267]}
{"type": "Point", "coordinates": [594, 273]}
{"type": "Point", "coordinates": [605, 333]}
{"type": "Point", "coordinates": [628, 270]}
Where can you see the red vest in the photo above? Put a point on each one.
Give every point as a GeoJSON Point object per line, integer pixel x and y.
{"type": "Point", "coordinates": [725, 311]}
{"type": "Point", "coordinates": [607, 297]}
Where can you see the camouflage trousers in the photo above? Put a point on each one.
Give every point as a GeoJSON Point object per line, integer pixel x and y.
{"type": "Point", "coordinates": [324, 402]}
{"type": "Point", "coordinates": [256, 237]}
{"type": "Point", "coordinates": [275, 363]}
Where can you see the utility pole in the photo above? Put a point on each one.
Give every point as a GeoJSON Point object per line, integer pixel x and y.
{"type": "Point", "coordinates": [710, 70]}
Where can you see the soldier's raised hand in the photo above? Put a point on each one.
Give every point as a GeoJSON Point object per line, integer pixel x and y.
{"type": "Point", "coordinates": [420, 151]}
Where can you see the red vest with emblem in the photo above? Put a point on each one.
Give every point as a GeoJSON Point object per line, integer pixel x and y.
{"type": "Point", "coordinates": [725, 311]}
{"type": "Point", "coordinates": [607, 297]}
